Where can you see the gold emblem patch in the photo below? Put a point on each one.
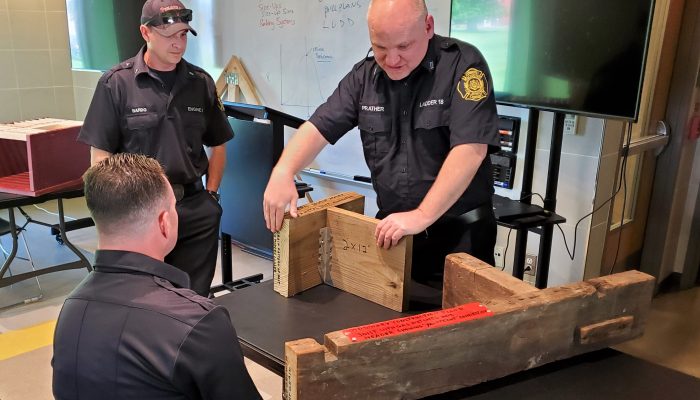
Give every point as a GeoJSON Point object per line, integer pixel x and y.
{"type": "Point", "coordinates": [473, 85]}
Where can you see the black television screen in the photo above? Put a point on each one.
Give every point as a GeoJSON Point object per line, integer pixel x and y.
{"type": "Point", "coordinates": [577, 56]}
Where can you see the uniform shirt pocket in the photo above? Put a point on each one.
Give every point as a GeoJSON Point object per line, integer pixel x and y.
{"type": "Point", "coordinates": [432, 118]}
{"type": "Point", "coordinates": [375, 129]}
{"type": "Point", "coordinates": [139, 131]}
{"type": "Point", "coordinates": [432, 131]}
{"type": "Point", "coordinates": [195, 127]}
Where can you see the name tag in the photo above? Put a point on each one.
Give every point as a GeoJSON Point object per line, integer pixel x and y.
{"type": "Point", "coordinates": [433, 102]}
{"type": "Point", "coordinates": [373, 108]}
{"type": "Point", "coordinates": [195, 109]}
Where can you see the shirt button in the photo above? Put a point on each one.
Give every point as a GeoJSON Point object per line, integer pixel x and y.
{"type": "Point", "coordinates": [403, 170]}
{"type": "Point", "coordinates": [404, 112]}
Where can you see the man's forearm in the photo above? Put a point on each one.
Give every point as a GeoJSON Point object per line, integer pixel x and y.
{"type": "Point", "coordinates": [217, 163]}
{"type": "Point", "coordinates": [454, 177]}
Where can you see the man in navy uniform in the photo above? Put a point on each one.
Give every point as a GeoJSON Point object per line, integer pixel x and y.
{"type": "Point", "coordinates": [158, 104]}
{"type": "Point", "coordinates": [426, 112]}
{"type": "Point", "coordinates": [133, 329]}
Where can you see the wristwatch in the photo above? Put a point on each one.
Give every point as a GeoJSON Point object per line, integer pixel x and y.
{"type": "Point", "coordinates": [214, 194]}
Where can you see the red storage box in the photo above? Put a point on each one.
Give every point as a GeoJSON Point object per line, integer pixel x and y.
{"type": "Point", "coordinates": [41, 156]}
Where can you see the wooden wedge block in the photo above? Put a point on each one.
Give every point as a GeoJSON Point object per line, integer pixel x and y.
{"type": "Point", "coordinates": [356, 265]}
{"type": "Point", "coordinates": [296, 245]}
{"type": "Point", "coordinates": [462, 346]}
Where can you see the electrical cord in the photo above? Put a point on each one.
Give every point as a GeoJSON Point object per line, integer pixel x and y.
{"type": "Point", "coordinates": [3, 250]}
{"type": "Point", "coordinates": [505, 252]}
{"type": "Point", "coordinates": [53, 213]}
{"type": "Point", "coordinates": [621, 181]}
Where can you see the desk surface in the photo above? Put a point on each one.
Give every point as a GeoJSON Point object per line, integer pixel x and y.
{"type": "Point", "coordinates": [8, 200]}
{"type": "Point", "coordinates": [264, 320]}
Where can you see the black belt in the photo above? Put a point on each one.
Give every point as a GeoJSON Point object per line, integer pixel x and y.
{"type": "Point", "coordinates": [477, 214]}
{"type": "Point", "coordinates": [186, 190]}
{"type": "Point", "coordinates": [469, 217]}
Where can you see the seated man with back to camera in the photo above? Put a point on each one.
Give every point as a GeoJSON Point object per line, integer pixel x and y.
{"type": "Point", "coordinates": [133, 329]}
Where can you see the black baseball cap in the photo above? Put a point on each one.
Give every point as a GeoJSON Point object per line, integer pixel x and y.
{"type": "Point", "coordinates": [168, 16]}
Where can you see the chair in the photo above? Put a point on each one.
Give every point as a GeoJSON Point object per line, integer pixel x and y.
{"type": "Point", "coordinates": [6, 229]}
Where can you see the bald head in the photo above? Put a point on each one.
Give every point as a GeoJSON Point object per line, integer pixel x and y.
{"type": "Point", "coordinates": [399, 31]}
{"type": "Point", "coordinates": [416, 8]}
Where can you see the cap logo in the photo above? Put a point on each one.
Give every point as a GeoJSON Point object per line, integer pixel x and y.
{"type": "Point", "coordinates": [169, 8]}
{"type": "Point", "coordinates": [473, 85]}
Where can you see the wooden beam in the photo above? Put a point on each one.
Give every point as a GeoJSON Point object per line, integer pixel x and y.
{"type": "Point", "coordinates": [296, 245]}
{"type": "Point", "coordinates": [510, 334]}
{"type": "Point", "coordinates": [468, 279]}
{"type": "Point", "coordinates": [356, 265]}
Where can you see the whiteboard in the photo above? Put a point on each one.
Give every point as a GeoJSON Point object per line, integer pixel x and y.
{"type": "Point", "coordinates": [296, 52]}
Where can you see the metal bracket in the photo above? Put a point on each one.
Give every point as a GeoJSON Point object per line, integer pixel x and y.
{"type": "Point", "coordinates": [325, 247]}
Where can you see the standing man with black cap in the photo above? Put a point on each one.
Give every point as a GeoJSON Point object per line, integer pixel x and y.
{"type": "Point", "coordinates": [159, 105]}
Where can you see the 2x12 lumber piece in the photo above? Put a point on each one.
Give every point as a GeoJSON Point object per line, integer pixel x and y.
{"type": "Point", "coordinates": [525, 330]}
{"type": "Point", "coordinates": [356, 265]}
{"type": "Point", "coordinates": [295, 246]}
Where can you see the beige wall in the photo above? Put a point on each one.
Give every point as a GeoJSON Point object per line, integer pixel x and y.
{"type": "Point", "coordinates": [35, 66]}
{"type": "Point", "coordinates": [84, 83]}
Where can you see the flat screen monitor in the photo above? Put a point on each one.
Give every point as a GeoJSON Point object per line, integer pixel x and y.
{"type": "Point", "coordinates": [577, 56]}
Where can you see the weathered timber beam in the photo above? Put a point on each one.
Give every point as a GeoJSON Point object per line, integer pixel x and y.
{"type": "Point", "coordinates": [519, 332]}
{"type": "Point", "coordinates": [468, 279]}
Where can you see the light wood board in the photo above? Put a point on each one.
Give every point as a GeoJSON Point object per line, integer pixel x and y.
{"type": "Point", "coordinates": [296, 245]}
{"type": "Point", "coordinates": [356, 265]}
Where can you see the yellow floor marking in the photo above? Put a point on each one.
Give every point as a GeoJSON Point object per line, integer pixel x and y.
{"type": "Point", "coordinates": [14, 343]}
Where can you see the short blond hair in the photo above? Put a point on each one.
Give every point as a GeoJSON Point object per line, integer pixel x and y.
{"type": "Point", "coordinates": [124, 190]}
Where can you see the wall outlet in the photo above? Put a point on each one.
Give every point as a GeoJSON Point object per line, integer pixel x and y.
{"type": "Point", "coordinates": [531, 264]}
{"type": "Point", "coordinates": [570, 124]}
{"type": "Point", "coordinates": [498, 254]}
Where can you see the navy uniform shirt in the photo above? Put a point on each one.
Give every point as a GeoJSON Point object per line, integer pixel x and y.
{"type": "Point", "coordinates": [409, 126]}
{"type": "Point", "coordinates": [132, 111]}
{"type": "Point", "coordinates": [131, 330]}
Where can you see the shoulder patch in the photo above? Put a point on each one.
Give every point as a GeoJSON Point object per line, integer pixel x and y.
{"type": "Point", "coordinates": [473, 85]}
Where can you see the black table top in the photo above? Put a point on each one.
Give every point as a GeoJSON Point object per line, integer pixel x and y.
{"type": "Point", "coordinates": [265, 320]}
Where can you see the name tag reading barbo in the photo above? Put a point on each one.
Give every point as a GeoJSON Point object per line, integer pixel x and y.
{"type": "Point", "coordinates": [195, 109]}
